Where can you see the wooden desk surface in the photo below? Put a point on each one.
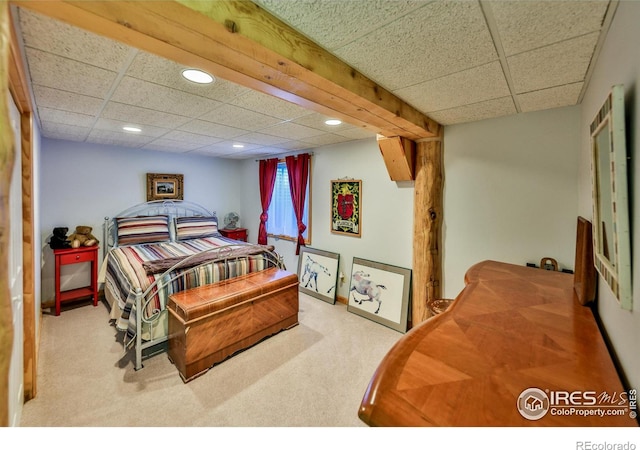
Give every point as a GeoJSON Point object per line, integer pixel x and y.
{"type": "Point", "coordinates": [511, 329]}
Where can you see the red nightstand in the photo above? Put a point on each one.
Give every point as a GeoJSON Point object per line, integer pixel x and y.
{"type": "Point", "coordinates": [75, 256]}
{"type": "Point", "coordinates": [239, 234]}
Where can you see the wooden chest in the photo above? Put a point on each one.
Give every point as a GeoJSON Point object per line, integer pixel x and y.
{"type": "Point", "coordinates": [208, 324]}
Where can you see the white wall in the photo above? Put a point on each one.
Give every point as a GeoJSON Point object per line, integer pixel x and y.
{"type": "Point", "coordinates": [619, 62]}
{"type": "Point", "coordinates": [510, 191]}
{"type": "Point", "coordinates": [387, 209]}
{"type": "Point", "coordinates": [81, 184]}
{"type": "Point", "coordinates": [510, 195]}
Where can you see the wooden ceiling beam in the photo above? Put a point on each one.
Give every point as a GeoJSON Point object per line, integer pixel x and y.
{"type": "Point", "coordinates": [240, 42]}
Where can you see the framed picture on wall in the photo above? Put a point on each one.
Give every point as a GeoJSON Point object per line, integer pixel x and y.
{"type": "Point", "coordinates": [318, 273]}
{"type": "Point", "coordinates": [380, 292]}
{"type": "Point", "coordinates": [165, 186]}
{"type": "Point", "coordinates": [346, 202]}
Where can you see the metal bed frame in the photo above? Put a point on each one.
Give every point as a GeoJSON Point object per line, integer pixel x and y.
{"type": "Point", "coordinates": [172, 209]}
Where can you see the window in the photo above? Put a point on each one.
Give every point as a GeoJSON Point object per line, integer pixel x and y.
{"type": "Point", "coordinates": [282, 219]}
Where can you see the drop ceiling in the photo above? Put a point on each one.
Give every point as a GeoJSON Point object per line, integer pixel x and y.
{"type": "Point", "coordinates": [455, 61]}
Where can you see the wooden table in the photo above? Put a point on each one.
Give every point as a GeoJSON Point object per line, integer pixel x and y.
{"type": "Point", "coordinates": [76, 256]}
{"type": "Point", "coordinates": [239, 234]}
{"type": "Point", "coordinates": [514, 336]}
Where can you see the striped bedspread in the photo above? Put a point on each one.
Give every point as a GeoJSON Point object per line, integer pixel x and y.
{"type": "Point", "coordinates": [126, 274]}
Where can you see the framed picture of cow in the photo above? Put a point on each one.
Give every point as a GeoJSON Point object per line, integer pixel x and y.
{"type": "Point", "coordinates": [346, 202]}
{"type": "Point", "coordinates": [380, 292]}
{"type": "Point", "coordinates": [318, 273]}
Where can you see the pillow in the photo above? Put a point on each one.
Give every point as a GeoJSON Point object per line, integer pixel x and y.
{"type": "Point", "coordinates": [196, 227]}
{"type": "Point", "coordinates": [143, 229]}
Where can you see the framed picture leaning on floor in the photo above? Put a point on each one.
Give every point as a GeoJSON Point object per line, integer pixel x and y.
{"type": "Point", "coordinates": [318, 273]}
{"type": "Point", "coordinates": [380, 292]}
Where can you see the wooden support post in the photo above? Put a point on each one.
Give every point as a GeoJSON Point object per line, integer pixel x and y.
{"type": "Point", "coordinates": [29, 354]}
{"type": "Point", "coordinates": [18, 87]}
{"type": "Point", "coordinates": [6, 166]}
{"type": "Point", "coordinates": [427, 228]}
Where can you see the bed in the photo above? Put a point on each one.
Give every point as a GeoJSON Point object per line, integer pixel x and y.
{"type": "Point", "coordinates": [158, 248]}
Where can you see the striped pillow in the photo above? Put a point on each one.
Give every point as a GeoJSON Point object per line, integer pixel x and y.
{"type": "Point", "coordinates": [196, 227]}
{"type": "Point", "coordinates": [139, 230]}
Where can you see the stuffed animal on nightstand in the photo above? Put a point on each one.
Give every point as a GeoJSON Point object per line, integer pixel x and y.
{"type": "Point", "coordinates": [82, 237]}
{"type": "Point", "coordinates": [59, 238]}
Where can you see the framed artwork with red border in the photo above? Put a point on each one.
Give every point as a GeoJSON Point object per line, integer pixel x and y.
{"type": "Point", "coordinates": [346, 201]}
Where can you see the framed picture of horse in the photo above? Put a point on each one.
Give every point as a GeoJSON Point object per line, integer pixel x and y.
{"type": "Point", "coordinates": [318, 273]}
{"type": "Point", "coordinates": [380, 292]}
{"type": "Point", "coordinates": [346, 200]}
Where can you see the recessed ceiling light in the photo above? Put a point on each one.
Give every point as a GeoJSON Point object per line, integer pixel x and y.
{"type": "Point", "coordinates": [132, 129]}
{"type": "Point", "coordinates": [197, 76]}
{"type": "Point", "coordinates": [333, 122]}
{"type": "Point", "coordinates": [238, 146]}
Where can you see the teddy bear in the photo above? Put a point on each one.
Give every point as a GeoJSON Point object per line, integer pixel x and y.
{"type": "Point", "coordinates": [59, 238]}
{"type": "Point", "coordinates": [82, 237]}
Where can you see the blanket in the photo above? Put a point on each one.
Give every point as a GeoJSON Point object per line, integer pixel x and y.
{"type": "Point", "coordinates": [161, 265]}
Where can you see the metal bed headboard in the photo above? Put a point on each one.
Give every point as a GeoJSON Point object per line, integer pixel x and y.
{"type": "Point", "coordinates": [170, 208]}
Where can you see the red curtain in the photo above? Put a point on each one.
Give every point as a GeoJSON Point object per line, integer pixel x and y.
{"type": "Point", "coordinates": [298, 170]}
{"type": "Point", "coordinates": [268, 169]}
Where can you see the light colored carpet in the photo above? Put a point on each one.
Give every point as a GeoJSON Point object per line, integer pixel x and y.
{"type": "Point", "coordinates": [313, 375]}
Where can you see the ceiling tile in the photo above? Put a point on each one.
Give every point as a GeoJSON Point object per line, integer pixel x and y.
{"type": "Point", "coordinates": [262, 139]}
{"type": "Point", "coordinates": [227, 147]}
{"type": "Point", "coordinates": [52, 36]}
{"type": "Point", "coordinates": [65, 117]}
{"type": "Point", "coordinates": [257, 154]}
{"type": "Point", "coordinates": [334, 23]}
{"type": "Point", "coordinates": [141, 116]}
{"type": "Point", "coordinates": [317, 121]}
{"type": "Point", "coordinates": [63, 131]}
{"type": "Point", "coordinates": [294, 146]}
{"type": "Point", "coordinates": [356, 133]}
{"type": "Point", "coordinates": [270, 151]}
{"type": "Point", "coordinates": [211, 129]}
{"type": "Point", "coordinates": [117, 138]}
{"type": "Point", "coordinates": [170, 145]}
{"type": "Point", "coordinates": [207, 152]}
{"type": "Point", "coordinates": [66, 101]}
{"type": "Point", "coordinates": [64, 74]}
{"type": "Point", "coordinates": [466, 87]}
{"type": "Point", "coordinates": [133, 91]}
{"type": "Point", "coordinates": [555, 65]}
{"type": "Point", "coordinates": [116, 127]}
{"type": "Point", "coordinates": [168, 73]}
{"type": "Point", "coordinates": [291, 130]}
{"type": "Point", "coordinates": [271, 106]}
{"type": "Point", "coordinates": [435, 40]}
{"type": "Point", "coordinates": [219, 149]}
{"type": "Point", "coordinates": [237, 117]}
{"type": "Point", "coordinates": [550, 98]}
{"type": "Point", "coordinates": [325, 139]}
{"type": "Point", "coordinates": [478, 111]}
{"type": "Point", "coordinates": [526, 25]}
{"type": "Point", "coordinates": [195, 138]}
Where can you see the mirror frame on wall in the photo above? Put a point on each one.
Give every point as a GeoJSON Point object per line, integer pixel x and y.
{"type": "Point", "coordinates": [611, 240]}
